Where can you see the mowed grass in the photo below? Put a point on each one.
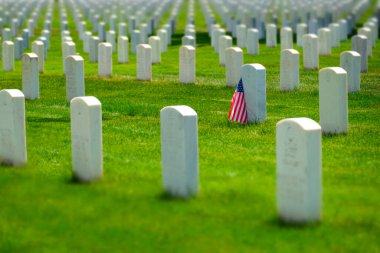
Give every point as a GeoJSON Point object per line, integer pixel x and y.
{"type": "Point", "coordinates": [42, 210]}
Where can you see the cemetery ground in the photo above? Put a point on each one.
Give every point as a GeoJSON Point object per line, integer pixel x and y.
{"type": "Point", "coordinates": [43, 210]}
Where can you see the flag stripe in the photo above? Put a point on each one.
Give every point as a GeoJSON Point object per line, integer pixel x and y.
{"type": "Point", "coordinates": [238, 111]}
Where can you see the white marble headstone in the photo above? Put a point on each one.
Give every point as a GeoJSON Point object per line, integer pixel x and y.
{"type": "Point", "coordinates": [368, 33]}
{"type": "Point", "coordinates": [179, 150]}
{"type": "Point", "coordinates": [299, 170]}
{"type": "Point", "coordinates": [12, 128]}
{"type": "Point", "coordinates": [68, 48]}
{"type": "Point", "coordinates": [289, 70]}
{"type": "Point", "coordinates": [324, 41]}
{"type": "Point", "coordinates": [241, 35]}
{"type": "Point", "coordinates": [253, 41]}
{"type": "Point", "coordinates": [335, 34]}
{"type": "Point", "coordinates": [144, 62]}
{"type": "Point", "coordinates": [86, 138]}
{"type": "Point", "coordinates": [155, 43]}
{"type": "Point", "coordinates": [310, 51]}
{"type": "Point", "coordinates": [286, 38]}
{"type": "Point", "coordinates": [111, 38]}
{"type": "Point", "coordinates": [94, 42]}
{"type": "Point", "coordinates": [350, 62]}
{"type": "Point", "coordinates": [224, 43]}
{"type": "Point", "coordinates": [8, 56]}
{"type": "Point", "coordinates": [187, 64]}
{"type": "Point", "coordinates": [30, 79]}
{"type": "Point", "coordinates": [333, 100]}
{"type": "Point", "coordinates": [254, 84]}
{"type": "Point", "coordinates": [74, 77]}
{"type": "Point", "coordinates": [301, 31]}
{"type": "Point", "coordinates": [234, 61]}
{"type": "Point", "coordinates": [122, 50]}
{"type": "Point", "coordinates": [271, 35]}
{"type": "Point", "coordinates": [164, 39]}
{"type": "Point", "coordinates": [359, 45]}
{"type": "Point", "coordinates": [105, 59]}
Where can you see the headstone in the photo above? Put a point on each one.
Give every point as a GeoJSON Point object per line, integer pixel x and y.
{"type": "Point", "coordinates": [350, 62]}
{"type": "Point", "coordinates": [219, 32]}
{"type": "Point", "coordinates": [74, 77]}
{"type": "Point", "coordinates": [102, 31]}
{"type": "Point", "coordinates": [68, 48]}
{"type": "Point", "coordinates": [122, 51]}
{"type": "Point", "coordinates": [234, 61]}
{"type": "Point", "coordinates": [271, 36]}
{"type": "Point", "coordinates": [122, 29]}
{"type": "Point", "coordinates": [86, 41]}
{"type": "Point", "coordinates": [241, 33]}
{"type": "Point", "coordinates": [86, 138]}
{"type": "Point", "coordinates": [12, 128]}
{"type": "Point", "coordinates": [46, 34]}
{"type": "Point", "coordinates": [368, 33]}
{"type": "Point", "coordinates": [144, 33]}
{"type": "Point", "coordinates": [289, 70]}
{"type": "Point", "coordinates": [335, 34]}
{"type": "Point", "coordinates": [179, 148]}
{"type": "Point", "coordinates": [324, 41]}
{"type": "Point", "coordinates": [8, 56]}
{"type": "Point", "coordinates": [168, 29]}
{"type": "Point", "coordinates": [333, 100]}
{"type": "Point", "coordinates": [253, 41]}
{"type": "Point", "coordinates": [94, 42]}
{"type": "Point", "coordinates": [313, 26]}
{"type": "Point", "coordinates": [26, 38]}
{"type": "Point", "coordinates": [254, 84]}
{"type": "Point", "coordinates": [310, 51]}
{"type": "Point", "coordinates": [187, 64]}
{"type": "Point", "coordinates": [286, 38]}
{"type": "Point", "coordinates": [375, 32]}
{"type": "Point", "coordinates": [164, 40]}
{"type": "Point", "coordinates": [38, 49]}
{"type": "Point", "coordinates": [111, 38]}
{"type": "Point", "coordinates": [7, 34]}
{"type": "Point", "coordinates": [105, 59]}
{"type": "Point", "coordinates": [343, 30]}
{"type": "Point", "coordinates": [44, 43]}
{"type": "Point", "coordinates": [155, 43]}
{"type": "Point", "coordinates": [31, 27]}
{"type": "Point", "coordinates": [299, 170]}
{"type": "Point", "coordinates": [135, 40]}
{"type": "Point", "coordinates": [213, 34]}
{"type": "Point", "coordinates": [18, 48]}
{"type": "Point", "coordinates": [188, 41]}
{"type": "Point", "coordinates": [359, 45]}
{"type": "Point", "coordinates": [144, 62]}
{"type": "Point", "coordinates": [30, 79]}
{"type": "Point", "coordinates": [301, 31]}
{"type": "Point", "coordinates": [224, 43]}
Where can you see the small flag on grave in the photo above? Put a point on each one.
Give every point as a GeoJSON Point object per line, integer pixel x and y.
{"type": "Point", "coordinates": [238, 111]}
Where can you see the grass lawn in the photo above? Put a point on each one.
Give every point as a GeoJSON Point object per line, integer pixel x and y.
{"type": "Point", "coordinates": [42, 210]}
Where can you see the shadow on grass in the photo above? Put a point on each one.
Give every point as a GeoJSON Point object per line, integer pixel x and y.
{"type": "Point", "coordinates": [333, 135]}
{"type": "Point", "coordinates": [202, 39]}
{"type": "Point", "coordinates": [166, 197]}
{"type": "Point", "coordinates": [73, 180]}
{"type": "Point", "coordinates": [46, 119]}
{"type": "Point", "coordinates": [277, 222]}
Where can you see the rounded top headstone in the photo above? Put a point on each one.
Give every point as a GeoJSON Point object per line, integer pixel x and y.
{"type": "Point", "coordinates": [303, 123]}
{"type": "Point", "coordinates": [87, 100]}
{"type": "Point", "coordinates": [183, 110]}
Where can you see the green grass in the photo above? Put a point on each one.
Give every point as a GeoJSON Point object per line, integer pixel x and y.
{"type": "Point", "coordinates": [42, 210]}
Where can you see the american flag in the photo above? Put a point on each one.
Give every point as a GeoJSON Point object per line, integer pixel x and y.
{"type": "Point", "coordinates": [238, 111]}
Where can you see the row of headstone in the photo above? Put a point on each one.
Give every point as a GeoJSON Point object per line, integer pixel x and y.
{"type": "Point", "coordinates": [255, 14]}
